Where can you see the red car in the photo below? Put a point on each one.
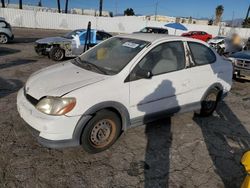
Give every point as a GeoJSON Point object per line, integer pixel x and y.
{"type": "Point", "coordinates": [201, 35]}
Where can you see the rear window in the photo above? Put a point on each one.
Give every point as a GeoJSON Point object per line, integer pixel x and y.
{"type": "Point", "coordinates": [201, 54]}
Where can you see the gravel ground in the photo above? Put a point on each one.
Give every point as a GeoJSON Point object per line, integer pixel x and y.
{"type": "Point", "coordinates": [182, 151]}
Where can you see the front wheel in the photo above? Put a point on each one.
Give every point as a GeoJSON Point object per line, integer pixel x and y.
{"type": "Point", "coordinates": [209, 103]}
{"type": "Point", "coordinates": [56, 54]}
{"type": "Point", "coordinates": [3, 38]}
{"type": "Point", "coordinates": [101, 131]}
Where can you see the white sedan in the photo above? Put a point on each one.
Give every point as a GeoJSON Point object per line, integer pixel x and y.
{"type": "Point", "coordinates": [124, 81]}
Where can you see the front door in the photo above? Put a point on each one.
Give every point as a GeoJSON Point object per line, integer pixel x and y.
{"type": "Point", "coordinates": [167, 87]}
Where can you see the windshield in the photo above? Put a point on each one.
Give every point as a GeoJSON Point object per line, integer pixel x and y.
{"type": "Point", "coordinates": [75, 32]}
{"type": "Point", "coordinates": [112, 55]}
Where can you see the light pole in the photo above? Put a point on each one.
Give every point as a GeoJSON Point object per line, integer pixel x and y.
{"type": "Point", "coordinates": [156, 8]}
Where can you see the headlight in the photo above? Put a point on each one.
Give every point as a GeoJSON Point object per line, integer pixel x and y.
{"type": "Point", "coordinates": [56, 105]}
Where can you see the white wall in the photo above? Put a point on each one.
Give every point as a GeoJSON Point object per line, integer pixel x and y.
{"type": "Point", "coordinates": [123, 24]}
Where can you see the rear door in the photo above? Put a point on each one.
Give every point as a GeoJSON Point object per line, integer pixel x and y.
{"type": "Point", "coordinates": [204, 72]}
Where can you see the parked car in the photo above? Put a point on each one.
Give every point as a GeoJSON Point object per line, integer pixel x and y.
{"type": "Point", "coordinates": [201, 35]}
{"type": "Point", "coordinates": [158, 30]}
{"type": "Point", "coordinates": [5, 31]}
{"type": "Point", "coordinates": [218, 43]}
{"type": "Point", "coordinates": [127, 80]}
{"type": "Point", "coordinates": [224, 45]}
{"type": "Point", "coordinates": [241, 62]}
{"type": "Point", "coordinates": [247, 44]}
{"type": "Point", "coordinates": [57, 48]}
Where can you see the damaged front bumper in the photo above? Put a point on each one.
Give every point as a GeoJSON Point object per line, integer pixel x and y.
{"type": "Point", "coordinates": [42, 49]}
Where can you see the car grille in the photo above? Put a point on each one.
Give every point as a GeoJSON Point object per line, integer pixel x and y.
{"type": "Point", "coordinates": [242, 64]}
{"type": "Point", "coordinates": [31, 99]}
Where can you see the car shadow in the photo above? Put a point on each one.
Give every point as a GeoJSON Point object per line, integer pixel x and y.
{"type": "Point", "coordinates": [159, 137]}
{"type": "Point", "coordinates": [226, 140]}
{"type": "Point", "coordinates": [8, 86]}
{"type": "Point", "coordinates": [17, 40]}
{"type": "Point", "coordinates": [16, 63]}
{"type": "Point", "coordinates": [7, 51]}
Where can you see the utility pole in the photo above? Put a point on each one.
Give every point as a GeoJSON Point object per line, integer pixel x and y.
{"type": "Point", "coordinates": [66, 6]}
{"type": "Point", "coordinates": [59, 6]}
{"type": "Point", "coordinates": [245, 21]}
{"type": "Point", "coordinates": [156, 9]}
{"type": "Point", "coordinates": [232, 22]}
{"type": "Point", "coordinates": [116, 7]}
{"type": "Point", "coordinates": [100, 7]}
{"type": "Point", "coordinates": [3, 3]}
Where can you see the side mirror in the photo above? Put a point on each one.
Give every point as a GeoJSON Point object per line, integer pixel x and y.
{"type": "Point", "coordinates": [142, 73]}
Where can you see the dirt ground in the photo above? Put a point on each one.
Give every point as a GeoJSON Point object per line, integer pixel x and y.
{"type": "Point", "coordinates": [179, 152]}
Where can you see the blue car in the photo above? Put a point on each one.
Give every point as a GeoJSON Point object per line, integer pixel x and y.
{"type": "Point", "coordinates": [70, 45]}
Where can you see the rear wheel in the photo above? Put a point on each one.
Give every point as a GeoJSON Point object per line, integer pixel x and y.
{"type": "Point", "coordinates": [56, 54]}
{"type": "Point", "coordinates": [4, 38]}
{"type": "Point", "coordinates": [101, 131]}
{"type": "Point", "coordinates": [209, 103]}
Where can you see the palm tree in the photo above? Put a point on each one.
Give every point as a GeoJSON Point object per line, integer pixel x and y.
{"type": "Point", "coordinates": [100, 7]}
{"type": "Point", "coordinates": [218, 13]}
{"type": "Point", "coordinates": [66, 6]}
{"type": "Point", "coordinates": [20, 4]}
{"type": "Point", "coordinates": [40, 3]}
{"type": "Point", "coordinates": [3, 3]}
{"type": "Point", "coordinates": [58, 5]}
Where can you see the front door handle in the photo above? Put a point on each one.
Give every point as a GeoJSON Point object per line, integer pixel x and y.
{"type": "Point", "coordinates": [186, 82]}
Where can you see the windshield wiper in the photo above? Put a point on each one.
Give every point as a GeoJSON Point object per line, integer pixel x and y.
{"type": "Point", "coordinates": [89, 65]}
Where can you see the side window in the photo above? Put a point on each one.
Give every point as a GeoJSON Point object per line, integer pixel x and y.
{"type": "Point", "coordinates": [201, 54]}
{"type": "Point", "coordinates": [99, 36]}
{"type": "Point", "coordinates": [166, 57]}
{"type": "Point", "coordinates": [106, 36]}
{"type": "Point", "coordinates": [2, 24]}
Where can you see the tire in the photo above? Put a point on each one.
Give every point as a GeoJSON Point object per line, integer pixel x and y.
{"type": "Point", "coordinates": [4, 39]}
{"type": "Point", "coordinates": [56, 54]}
{"type": "Point", "coordinates": [101, 131]}
{"type": "Point", "coordinates": [209, 103]}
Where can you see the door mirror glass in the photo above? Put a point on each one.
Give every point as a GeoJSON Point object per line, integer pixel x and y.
{"type": "Point", "coordinates": [142, 73]}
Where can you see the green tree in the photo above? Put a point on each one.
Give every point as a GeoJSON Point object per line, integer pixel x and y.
{"type": "Point", "coordinates": [218, 14]}
{"type": "Point", "coordinates": [129, 12]}
{"type": "Point", "coordinates": [246, 23]}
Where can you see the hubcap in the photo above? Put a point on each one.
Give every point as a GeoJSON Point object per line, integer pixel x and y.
{"type": "Point", "coordinates": [210, 101]}
{"type": "Point", "coordinates": [58, 54]}
{"type": "Point", "coordinates": [3, 39]}
{"type": "Point", "coordinates": [103, 133]}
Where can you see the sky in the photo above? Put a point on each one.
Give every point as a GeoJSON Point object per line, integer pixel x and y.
{"type": "Point", "coordinates": [194, 8]}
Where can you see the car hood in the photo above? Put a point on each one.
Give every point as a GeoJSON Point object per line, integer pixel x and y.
{"type": "Point", "coordinates": [241, 55]}
{"type": "Point", "coordinates": [215, 41]}
{"type": "Point", "coordinates": [60, 79]}
{"type": "Point", "coordinates": [53, 40]}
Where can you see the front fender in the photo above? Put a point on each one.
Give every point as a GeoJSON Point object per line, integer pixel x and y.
{"type": "Point", "coordinates": [123, 112]}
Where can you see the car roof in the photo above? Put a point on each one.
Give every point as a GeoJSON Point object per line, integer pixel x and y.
{"type": "Point", "coordinates": [151, 37]}
{"type": "Point", "coordinates": [157, 28]}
